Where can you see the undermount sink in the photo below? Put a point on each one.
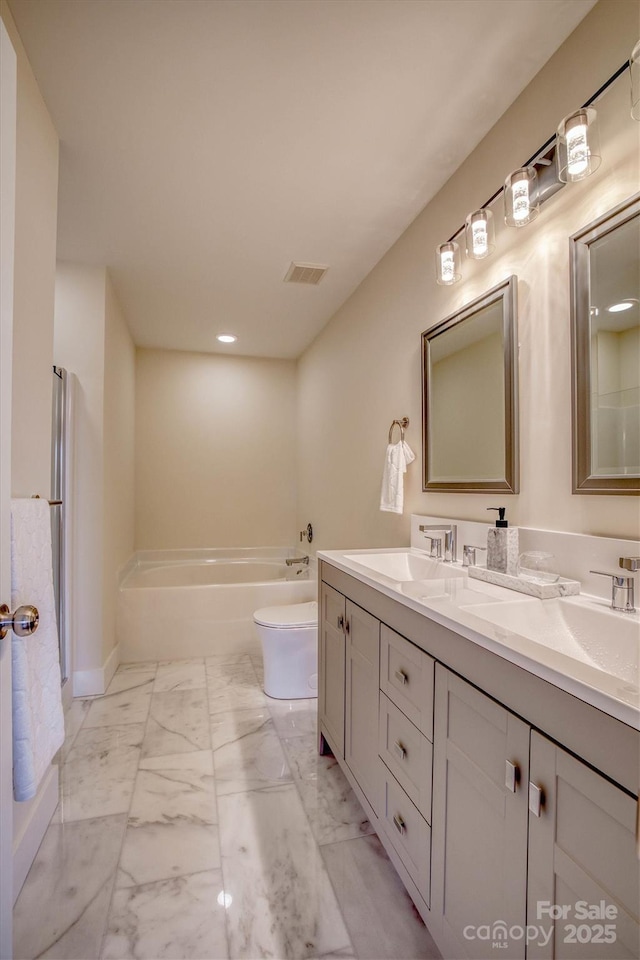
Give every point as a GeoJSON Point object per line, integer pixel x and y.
{"type": "Point", "coordinates": [403, 567]}
{"type": "Point", "coordinates": [580, 629]}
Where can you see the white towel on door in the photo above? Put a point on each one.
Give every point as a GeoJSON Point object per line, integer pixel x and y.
{"type": "Point", "coordinates": [38, 719]}
{"type": "Point", "coordinates": [395, 466]}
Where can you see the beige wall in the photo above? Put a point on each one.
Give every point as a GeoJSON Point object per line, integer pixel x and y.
{"type": "Point", "coordinates": [118, 453]}
{"type": "Point", "coordinates": [92, 341]}
{"type": "Point", "coordinates": [215, 450]}
{"type": "Point", "coordinates": [363, 370]}
{"type": "Point", "coordinates": [34, 280]}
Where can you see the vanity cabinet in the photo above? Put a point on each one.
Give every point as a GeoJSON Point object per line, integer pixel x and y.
{"type": "Point", "coordinates": [349, 662]}
{"type": "Point", "coordinates": [502, 800]}
{"type": "Point", "coordinates": [481, 772]}
{"type": "Point", "coordinates": [582, 848]}
{"type": "Point", "coordinates": [331, 666]}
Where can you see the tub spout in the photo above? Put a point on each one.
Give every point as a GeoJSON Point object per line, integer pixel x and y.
{"type": "Point", "coordinates": [291, 560]}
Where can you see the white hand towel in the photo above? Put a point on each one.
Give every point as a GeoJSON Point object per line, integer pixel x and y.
{"type": "Point", "coordinates": [395, 466]}
{"type": "Point", "coordinates": [38, 719]}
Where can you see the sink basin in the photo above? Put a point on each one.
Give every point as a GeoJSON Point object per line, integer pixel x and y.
{"type": "Point", "coordinates": [406, 566]}
{"type": "Point", "coordinates": [580, 629]}
{"type": "Point", "coordinates": [461, 592]}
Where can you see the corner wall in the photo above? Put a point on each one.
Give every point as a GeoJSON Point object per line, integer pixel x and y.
{"type": "Point", "coordinates": [364, 369]}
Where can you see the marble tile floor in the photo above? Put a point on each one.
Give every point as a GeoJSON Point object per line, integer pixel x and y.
{"type": "Point", "coordinates": [196, 820]}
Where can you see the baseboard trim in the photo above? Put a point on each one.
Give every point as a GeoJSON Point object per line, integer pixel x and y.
{"type": "Point", "coordinates": [93, 683]}
{"type": "Point", "coordinates": [35, 816]}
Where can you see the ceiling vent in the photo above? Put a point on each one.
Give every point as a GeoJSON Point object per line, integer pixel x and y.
{"type": "Point", "coordinates": [305, 273]}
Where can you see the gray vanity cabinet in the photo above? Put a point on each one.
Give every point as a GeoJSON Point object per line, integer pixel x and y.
{"type": "Point", "coordinates": [481, 758]}
{"type": "Point", "coordinates": [331, 666]}
{"type": "Point", "coordinates": [582, 848]}
{"type": "Point", "coordinates": [361, 706]}
{"type": "Point", "coordinates": [349, 667]}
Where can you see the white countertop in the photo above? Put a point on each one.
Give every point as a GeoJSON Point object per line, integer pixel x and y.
{"type": "Point", "coordinates": [446, 601]}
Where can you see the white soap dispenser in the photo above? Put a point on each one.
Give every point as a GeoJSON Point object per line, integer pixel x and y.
{"type": "Point", "coordinates": [502, 545]}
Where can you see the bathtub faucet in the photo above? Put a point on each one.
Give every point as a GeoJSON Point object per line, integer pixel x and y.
{"type": "Point", "coordinates": [291, 560]}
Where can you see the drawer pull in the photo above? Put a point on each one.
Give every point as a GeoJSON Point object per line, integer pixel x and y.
{"type": "Point", "coordinates": [511, 776]}
{"type": "Point", "coordinates": [402, 677]}
{"type": "Point", "coordinates": [400, 750]}
{"type": "Point", "coordinates": [399, 824]}
{"type": "Point", "coordinates": [535, 799]}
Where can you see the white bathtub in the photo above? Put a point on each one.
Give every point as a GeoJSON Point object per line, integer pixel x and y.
{"type": "Point", "coordinates": [197, 603]}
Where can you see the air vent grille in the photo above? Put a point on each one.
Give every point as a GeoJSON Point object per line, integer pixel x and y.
{"type": "Point", "coordinates": [305, 273]}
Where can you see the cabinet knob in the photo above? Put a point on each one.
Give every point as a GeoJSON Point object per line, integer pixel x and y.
{"type": "Point", "coordinates": [347, 626]}
{"type": "Point", "coordinates": [535, 799]}
{"type": "Point", "coordinates": [401, 677]}
{"type": "Point", "coordinates": [399, 824]}
{"type": "Point", "coordinates": [511, 775]}
{"type": "Point", "coordinates": [341, 622]}
{"type": "Point", "coordinates": [399, 749]}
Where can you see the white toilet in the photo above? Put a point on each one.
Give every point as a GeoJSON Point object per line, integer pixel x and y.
{"type": "Point", "coordinates": [289, 637]}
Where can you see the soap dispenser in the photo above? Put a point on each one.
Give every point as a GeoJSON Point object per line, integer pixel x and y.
{"type": "Point", "coordinates": [502, 545]}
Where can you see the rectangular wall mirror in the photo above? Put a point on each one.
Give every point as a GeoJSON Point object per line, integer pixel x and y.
{"type": "Point", "coordinates": [605, 340]}
{"type": "Point", "coordinates": [470, 397]}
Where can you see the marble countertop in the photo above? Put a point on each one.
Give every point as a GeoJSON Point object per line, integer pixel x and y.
{"type": "Point", "coordinates": [447, 600]}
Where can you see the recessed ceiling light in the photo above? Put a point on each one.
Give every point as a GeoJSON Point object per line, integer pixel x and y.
{"type": "Point", "coordinates": [226, 338]}
{"type": "Point", "coordinates": [619, 307]}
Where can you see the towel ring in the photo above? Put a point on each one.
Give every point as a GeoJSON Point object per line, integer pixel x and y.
{"type": "Point", "coordinates": [402, 424]}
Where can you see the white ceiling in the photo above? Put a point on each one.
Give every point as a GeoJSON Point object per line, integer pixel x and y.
{"type": "Point", "coordinates": [205, 144]}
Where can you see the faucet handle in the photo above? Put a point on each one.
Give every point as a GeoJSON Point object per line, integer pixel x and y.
{"type": "Point", "coordinates": [630, 563]}
{"type": "Point", "coordinates": [469, 554]}
{"type": "Point", "coordinates": [435, 544]}
{"type": "Point", "coordinates": [622, 592]}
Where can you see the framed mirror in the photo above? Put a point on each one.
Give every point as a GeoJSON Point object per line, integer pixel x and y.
{"type": "Point", "coordinates": [605, 350]}
{"type": "Point", "coordinates": [470, 397]}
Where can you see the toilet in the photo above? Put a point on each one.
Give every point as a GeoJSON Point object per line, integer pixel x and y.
{"type": "Point", "coordinates": [289, 637]}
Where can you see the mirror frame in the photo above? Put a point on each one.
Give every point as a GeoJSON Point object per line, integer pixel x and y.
{"type": "Point", "coordinates": [583, 480]}
{"type": "Point", "coordinates": [504, 293]}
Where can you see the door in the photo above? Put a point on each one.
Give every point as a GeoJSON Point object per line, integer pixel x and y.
{"type": "Point", "coordinates": [331, 666]}
{"type": "Point", "coordinates": [361, 707]}
{"type": "Point", "coordinates": [584, 891]}
{"type": "Point", "coordinates": [479, 827]}
{"type": "Point", "coordinates": [7, 224]}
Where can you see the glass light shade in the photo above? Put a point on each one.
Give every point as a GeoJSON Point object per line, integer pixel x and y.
{"type": "Point", "coordinates": [521, 197]}
{"type": "Point", "coordinates": [578, 147]}
{"type": "Point", "coordinates": [448, 263]}
{"type": "Point", "coordinates": [634, 67]}
{"type": "Point", "coordinates": [479, 234]}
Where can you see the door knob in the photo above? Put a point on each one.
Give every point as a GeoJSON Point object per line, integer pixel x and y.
{"type": "Point", "coordinates": [23, 622]}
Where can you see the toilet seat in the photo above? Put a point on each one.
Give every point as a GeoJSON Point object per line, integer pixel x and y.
{"type": "Point", "coordinates": [290, 617]}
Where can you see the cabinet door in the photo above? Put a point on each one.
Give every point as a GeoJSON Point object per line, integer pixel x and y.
{"type": "Point", "coordinates": [582, 854]}
{"type": "Point", "coordinates": [363, 681]}
{"type": "Point", "coordinates": [332, 665]}
{"type": "Point", "coordinates": [479, 827]}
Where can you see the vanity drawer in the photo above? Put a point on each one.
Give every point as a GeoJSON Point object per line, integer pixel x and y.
{"type": "Point", "coordinates": [409, 833]}
{"type": "Point", "coordinates": [406, 676]}
{"type": "Point", "coordinates": [407, 753]}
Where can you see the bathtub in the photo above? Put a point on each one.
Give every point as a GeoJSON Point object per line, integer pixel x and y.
{"type": "Point", "coordinates": [173, 604]}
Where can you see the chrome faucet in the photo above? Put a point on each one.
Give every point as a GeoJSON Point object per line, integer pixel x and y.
{"type": "Point", "coordinates": [450, 536]}
{"type": "Point", "coordinates": [622, 591]}
{"type": "Point", "coordinates": [291, 560]}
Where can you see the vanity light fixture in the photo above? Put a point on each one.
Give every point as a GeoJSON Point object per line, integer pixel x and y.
{"type": "Point", "coordinates": [226, 338]}
{"type": "Point", "coordinates": [479, 234]}
{"type": "Point", "coordinates": [448, 263]}
{"type": "Point", "coordinates": [634, 67]}
{"type": "Point", "coordinates": [578, 146]}
{"type": "Point", "coordinates": [521, 204]}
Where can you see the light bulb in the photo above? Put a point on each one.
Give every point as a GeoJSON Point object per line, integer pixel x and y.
{"type": "Point", "coordinates": [577, 146]}
{"type": "Point", "coordinates": [226, 338]}
{"type": "Point", "coordinates": [479, 240]}
{"type": "Point", "coordinates": [447, 263]}
{"type": "Point", "coordinates": [521, 204]}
